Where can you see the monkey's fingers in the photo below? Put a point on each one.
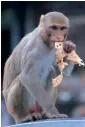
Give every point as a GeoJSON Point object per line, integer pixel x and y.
{"type": "Point", "coordinates": [59, 116]}
{"type": "Point", "coordinates": [37, 116]}
{"type": "Point", "coordinates": [40, 116]}
{"type": "Point", "coordinates": [62, 116]}
{"type": "Point", "coordinates": [69, 46]}
{"type": "Point", "coordinates": [29, 119]}
{"type": "Point", "coordinates": [44, 115]}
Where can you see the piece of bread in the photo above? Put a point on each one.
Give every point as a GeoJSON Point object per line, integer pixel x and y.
{"type": "Point", "coordinates": [60, 54]}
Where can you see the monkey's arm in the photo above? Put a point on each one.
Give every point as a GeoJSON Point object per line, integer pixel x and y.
{"type": "Point", "coordinates": [68, 69]}
{"type": "Point", "coordinates": [68, 47]}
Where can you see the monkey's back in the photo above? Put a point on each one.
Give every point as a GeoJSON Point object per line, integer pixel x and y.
{"type": "Point", "coordinates": [13, 64]}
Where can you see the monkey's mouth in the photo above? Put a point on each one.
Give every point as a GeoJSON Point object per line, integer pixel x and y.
{"type": "Point", "coordinates": [57, 41]}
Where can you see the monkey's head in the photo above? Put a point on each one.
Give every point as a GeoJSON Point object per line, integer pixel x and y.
{"type": "Point", "coordinates": [54, 27]}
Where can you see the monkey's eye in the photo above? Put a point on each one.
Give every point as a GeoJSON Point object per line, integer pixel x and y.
{"type": "Point", "coordinates": [63, 28]}
{"type": "Point", "coordinates": [54, 27]}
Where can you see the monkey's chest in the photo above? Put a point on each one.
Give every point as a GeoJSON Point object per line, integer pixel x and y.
{"type": "Point", "coordinates": [45, 69]}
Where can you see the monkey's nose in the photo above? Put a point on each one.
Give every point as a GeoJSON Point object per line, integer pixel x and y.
{"type": "Point", "coordinates": [58, 38]}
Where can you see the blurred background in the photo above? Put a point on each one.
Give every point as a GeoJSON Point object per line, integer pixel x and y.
{"type": "Point", "coordinates": [19, 18]}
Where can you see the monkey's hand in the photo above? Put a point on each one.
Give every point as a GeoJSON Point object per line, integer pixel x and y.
{"type": "Point", "coordinates": [69, 46]}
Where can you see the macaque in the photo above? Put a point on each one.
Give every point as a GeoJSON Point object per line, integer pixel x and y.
{"type": "Point", "coordinates": [60, 54]}
{"type": "Point", "coordinates": [29, 70]}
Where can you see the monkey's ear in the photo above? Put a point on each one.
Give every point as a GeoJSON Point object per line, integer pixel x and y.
{"type": "Point", "coordinates": [41, 19]}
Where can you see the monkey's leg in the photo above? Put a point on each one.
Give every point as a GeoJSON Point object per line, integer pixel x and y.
{"type": "Point", "coordinates": [19, 103]}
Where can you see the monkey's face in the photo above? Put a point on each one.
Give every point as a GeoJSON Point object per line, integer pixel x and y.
{"type": "Point", "coordinates": [57, 33]}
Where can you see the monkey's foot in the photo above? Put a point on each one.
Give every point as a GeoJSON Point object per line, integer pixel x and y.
{"type": "Point", "coordinates": [41, 116]}
{"type": "Point", "coordinates": [36, 116]}
{"type": "Point", "coordinates": [51, 116]}
{"type": "Point", "coordinates": [62, 116]}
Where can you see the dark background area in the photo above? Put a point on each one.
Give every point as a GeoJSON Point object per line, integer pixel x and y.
{"type": "Point", "coordinates": [19, 18]}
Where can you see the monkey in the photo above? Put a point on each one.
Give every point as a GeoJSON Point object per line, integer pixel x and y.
{"type": "Point", "coordinates": [28, 72]}
{"type": "Point", "coordinates": [60, 54]}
